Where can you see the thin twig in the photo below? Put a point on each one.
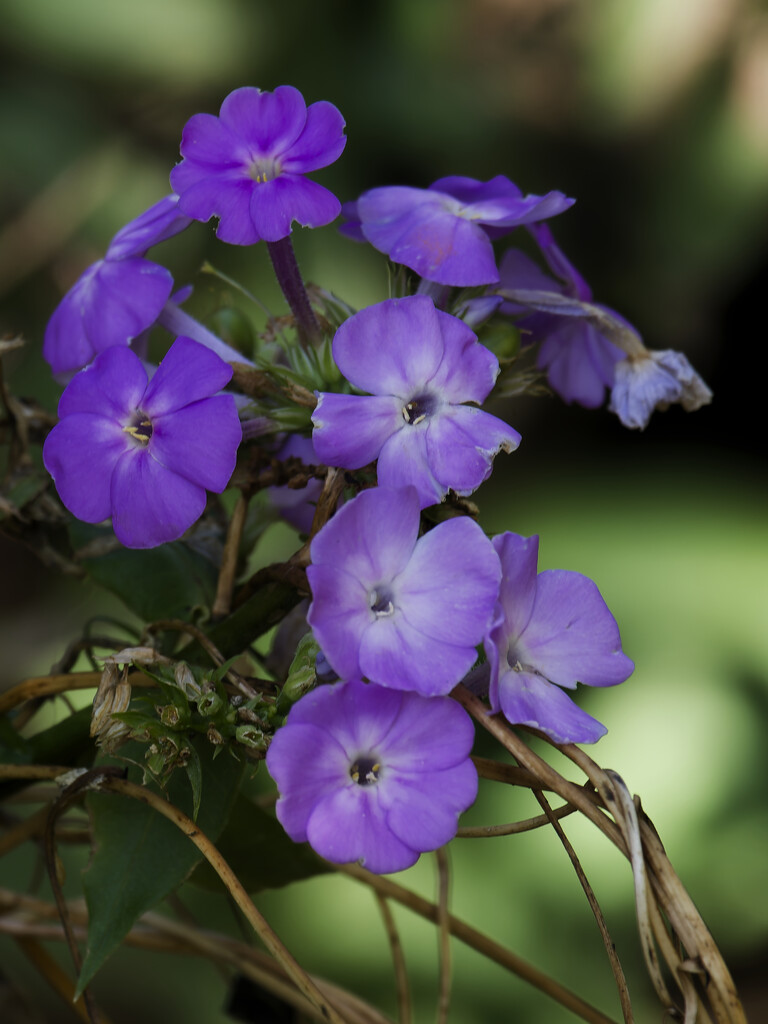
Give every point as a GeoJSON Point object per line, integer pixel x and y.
{"type": "Point", "coordinates": [482, 943]}
{"type": "Point", "coordinates": [513, 827]}
{"type": "Point", "coordinates": [610, 949]}
{"type": "Point", "coordinates": [404, 1010]}
{"type": "Point", "coordinates": [49, 686]}
{"type": "Point", "coordinates": [55, 976]}
{"type": "Point", "coordinates": [444, 934]}
{"type": "Point", "coordinates": [222, 604]}
{"type": "Point", "coordinates": [210, 648]}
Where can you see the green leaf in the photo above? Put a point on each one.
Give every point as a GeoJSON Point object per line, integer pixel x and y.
{"type": "Point", "coordinates": [261, 854]}
{"type": "Point", "coordinates": [141, 857]}
{"type": "Point", "coordinates": [158, 583]}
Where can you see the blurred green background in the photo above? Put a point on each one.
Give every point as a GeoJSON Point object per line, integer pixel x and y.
{"type": "Point", "coordinates": [654, 115]}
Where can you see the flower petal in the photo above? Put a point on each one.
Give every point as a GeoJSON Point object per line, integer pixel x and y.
{"type": "Point", "coordinates": [159, 222]}
{"type": "Point", "coordinates": [449, 588]}
{"type": "Point", "coordinates": [150, 504]}
{"type": "Point", "coordinates": [122, 299]}
{"type": "Point", "coordinates": [189, 372]}
{"type": "Point", "coordinates": [338, 615]}
{"type": "Point", "coordinates": [269, 122]}
{"type": "Point", "coordinates": [350, 825]}
{"type": "Point", "coordinates": [403, 462]}
{"type": "Point", "coordinates": [423, 810]}
{"type": "Point", "coordinates": [66, 346]}
{"type": "Point", "coordinates": [321, 142]}
{"type": "Point", "coordinates": [359, 715]}
{"type": "Point", "coordinates": [468, 369]}
{"type": "Point", "coordinates": [571, 636]}
{"type": "Point", "coordinates": [208, 141]}
{"type": "Point", "coordinates": [200, 441]}
{"type": "Point", "coordinates": [519, 557]}
{"type": "Point", "coordinates": [430, 734]}
{"type": "Point", "coordinates": [372, 537]}
{"type": "Point", "coordinates": [112, 386]}
{"type": "Point", "coordinates": [461, 443]}
{"type": "Point", "coordinates": [226, 196]}
{"type": "Point", "coordinates": [528, 699]}
{"type": "Point", "coordinates": [391, 348]}
{"type": "Point", "coordinates": [277, 203]}
{"type": "Point", "coordinates": [81, 453]}
{"type": "Point", "coordinates": [350, 430]}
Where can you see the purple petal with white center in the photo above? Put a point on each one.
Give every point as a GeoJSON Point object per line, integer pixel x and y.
{"type": "Point", "coordinates": [112, 386]}
{"type": "Point", "coordinates": [339, 615]}
{"type": "Point", "coordinates": [403, 462]}
{"type": "Point", "coordinates": [468, 369]}
{"type": "Point", "coordinates": [160, 222]}
{"type": "Point", "coordinates": [122, 299]}
{"type": "Point", "coordinates": [428, 736]}
{"type": "Point", "coordinates": [199, 441]}
{"type": "Point", "coordinates": [308, 762]}
{"type": "Point", "coordinates": [189, 372]}
{"type": "Point", "coordinates": [66, 346]}
{"type": "Point", "coordinates": [359, 715]}
{"type": "Point", "coordinates": [269, 122]}
{"type": "Point", "coordinates": [527, 699]}
{"type": "Point", "coordinates": [519, 558]}
{"type": "Point", "coordinates": [448, 589]}
{"type": "Point", "coordinates": [321, 142]}
{"type": "Point", "coordinates": [372, 537]}
{"type": "Point", "coordinates": [350, 825]}
{"type": "Point", "coordinates": [81, 453]}
{"type": "Point", "coordinates": [290, 197]}
{"type": "Point", "coordinates": [227, 197]}
{"type": "Point", "coordinates": [391, 348]}
{"type": "Point", "coordinates": [394, 654]}
{"type": "Point", "coordinates": [150, 504]}
{"type": "Point", "coordinates": [208, 141]}
{"type": "Point", "coordinates": [350, 430]}
{"type": "Point", "coordinates": [423, 811]}
{"type": "Point", "coordinates": [571, 636]}
{"type": "Point", "coordinates": [461, 444]}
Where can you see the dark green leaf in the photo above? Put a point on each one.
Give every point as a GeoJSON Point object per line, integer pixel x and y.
{"type": "Point", "coordinates": [141, 857]}
{"type": "Point", "coordinates": [165, 582]}
{"type": "Point", "coordinates": [256, 847]}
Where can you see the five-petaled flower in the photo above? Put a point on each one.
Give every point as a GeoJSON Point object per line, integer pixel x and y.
{"type": "Point", "coordinates": [371, 775]}
{"type": "Point", "coordinates": [551, 631]}
{"type": "Point", "coordinates": [247, 166]}
{"type": "Point", "coordinates": [420, 365]}
{"type": "Point", "coordinates": [144, 453]}
{"type": "Point", "coordinates": [405, 611]}
{"type": "Point", "coordinates": [444, 232]}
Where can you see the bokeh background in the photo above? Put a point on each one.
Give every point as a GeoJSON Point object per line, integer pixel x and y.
{"type": "Point", "coordinates": [654, 115]}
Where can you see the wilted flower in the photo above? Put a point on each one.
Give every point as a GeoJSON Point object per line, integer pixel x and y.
{"type": "Point", "coordinates": [404, 611]}
{"type": "Point", "coordinates": [420, 366]}
{"type": "Point", "coordinates": [371, 775]}
{"type": "Point", "coordinates": [247, 166]}
{"type": "Point", "coordinates": [144, 453]}
{"type": "Point", "coordinates": [655, 380]}
{"type": "Point", "coordinates": [551, 631]}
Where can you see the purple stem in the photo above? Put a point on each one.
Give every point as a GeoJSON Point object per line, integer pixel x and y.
{"type": "Point", "coordinates": [290, 280]}
{"type": "Point", "coordinates": [178, 322]}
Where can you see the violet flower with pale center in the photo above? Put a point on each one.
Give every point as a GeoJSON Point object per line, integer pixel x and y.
{"type": "Point", "coordinates": [402, 610]}
{"type": "Point", "coordinates": [420, 366]}
{"type": "Point", "coordinates": [444, 232]}
{"type": "Point", "coordinates": [247, 167]}
{"type": "Point", "coordinates": [370, 775]}
{"type": "Point", "coordinates": [116, 298]}
{"type": "Point", "coordinates": [144, 453]}
{"type": "Point", "coordinates": [551, 631]}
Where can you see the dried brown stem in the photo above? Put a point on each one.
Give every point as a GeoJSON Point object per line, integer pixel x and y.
{"type": "Point", "coordinates": [443, 934]}
{"type": "Point", "coordinates": [404, 1011]}
{"type": "Point", "coordinates": [222, 604]}
{"type": "Point", "coordinates": [514, 827]}
{"type": "Point", "coordinates": [55, 976]}
{"type": "Point", "coordinates": [49, 686]}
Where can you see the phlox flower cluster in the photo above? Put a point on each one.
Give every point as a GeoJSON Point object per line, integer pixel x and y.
{"type": "Point", "coordinates": [407, 599]}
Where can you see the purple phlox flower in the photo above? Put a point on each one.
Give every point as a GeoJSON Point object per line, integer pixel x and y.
{"type": "Point", "coordinates": [371, 775]}
{"type": "Point", "coordinates": [444, 232]}
{"type": "Point", "coordinates": [402, 610]}
{"type": "Point", "coordinates": [116, 298]}
{"type": "Point", "coordinates": [654, 380]}
{"type": "Point", "coordinates": [297, 504]}
{"type": "Point", "coordinates": [551, 631]}
{"type": "Point", "coordinates": [351, 227]}
{"type": "Point", "coordinates": [247, 167]}
{"type": "Point", "coordinates": [575, 351]}
{"type": "Point", "coordinates": [144, 453]}
{"type": "Point", "coordinates": [420, 365]}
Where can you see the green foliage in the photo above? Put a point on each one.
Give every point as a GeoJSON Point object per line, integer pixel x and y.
{"type": "Point", "coordinates": [141, 857]}
{"type": "Point", "coordinates": [164, 582]}
{"type": "Point", "coordinates": [260, 853]}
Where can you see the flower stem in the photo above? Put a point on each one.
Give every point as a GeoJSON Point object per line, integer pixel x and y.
{"type": "Point", "coordinates": [290, 280]}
